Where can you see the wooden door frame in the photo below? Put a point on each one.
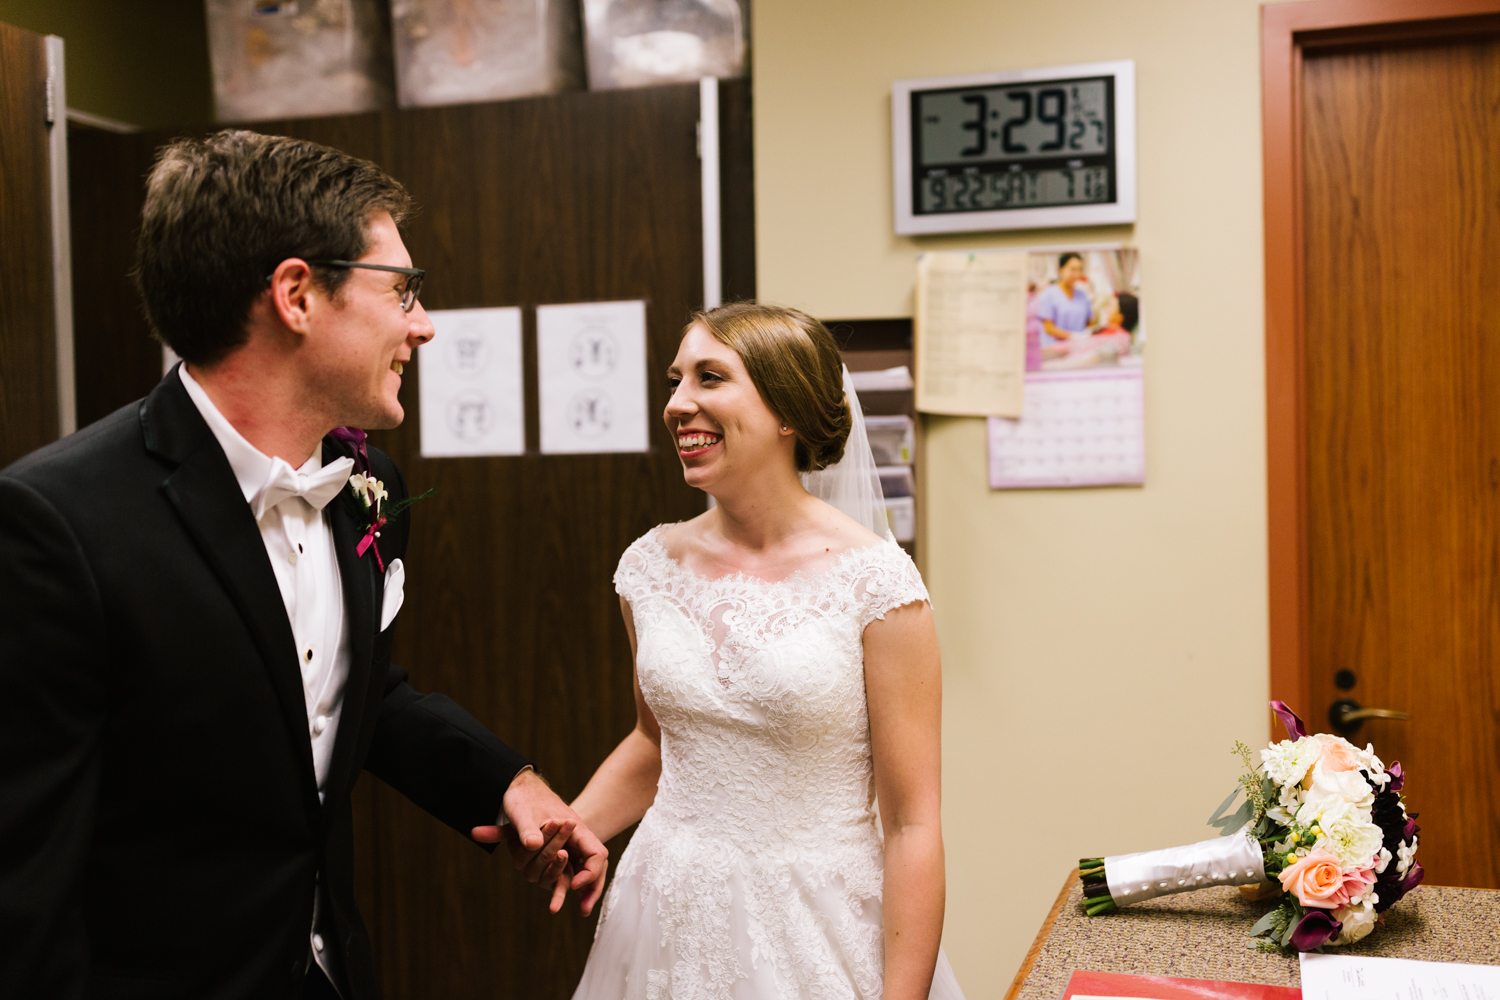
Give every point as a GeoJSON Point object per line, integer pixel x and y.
{"type": "Point", "coordinates": [1287, 30]}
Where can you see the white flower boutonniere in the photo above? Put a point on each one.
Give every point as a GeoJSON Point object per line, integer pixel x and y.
{"type": "Point", "coordinates": [368, 489]}
{"type": "Point", "coordinates": [366, 495]}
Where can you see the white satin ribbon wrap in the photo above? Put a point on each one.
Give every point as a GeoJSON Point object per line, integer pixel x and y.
{"type": "Point", "coordinates": [1232, 860]}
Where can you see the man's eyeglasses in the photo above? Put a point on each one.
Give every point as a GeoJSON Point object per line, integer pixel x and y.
{"type": "Point", "coordinates": [409, 292]}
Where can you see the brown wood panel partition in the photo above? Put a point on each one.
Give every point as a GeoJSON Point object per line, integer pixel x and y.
{"type": "Point", "coordinates": [510, 609]}
{"type": "Point", "coordinates": [28, 379]}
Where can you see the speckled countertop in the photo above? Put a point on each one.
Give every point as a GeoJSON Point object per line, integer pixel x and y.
{"type": "Point", "coordinates": [1203, 935]}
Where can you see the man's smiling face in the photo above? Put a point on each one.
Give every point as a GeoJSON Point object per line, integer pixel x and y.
{"type": "Point", "coordinates": [362, 339]}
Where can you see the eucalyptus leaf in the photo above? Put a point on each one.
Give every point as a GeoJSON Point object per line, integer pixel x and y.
{"type": "Point", "coordinates": [1229, 824]}
{"type": "Point", "coordinates": [1214, 819]}
{"type": "Point", "coordinates": [1265, 923]}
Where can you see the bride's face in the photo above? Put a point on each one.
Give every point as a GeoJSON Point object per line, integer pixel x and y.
{"type": "Point", "coordinates": [722, 427]}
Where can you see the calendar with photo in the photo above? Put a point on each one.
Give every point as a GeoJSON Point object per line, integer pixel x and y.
{"type": "Point", "coordinates": [1082, 422]}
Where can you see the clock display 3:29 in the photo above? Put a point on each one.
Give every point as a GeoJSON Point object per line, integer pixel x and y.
{"type": "Point", "coordinates": [1014, 145]}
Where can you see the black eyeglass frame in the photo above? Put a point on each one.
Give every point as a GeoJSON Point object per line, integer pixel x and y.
{"type": "Point", "coordinates": [409, 292]}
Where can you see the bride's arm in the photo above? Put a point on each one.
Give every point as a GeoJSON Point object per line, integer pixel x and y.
{"type": "Point", "coordinates": [624, 786]}
{"type": "Point", "coordinates": [904, 689]}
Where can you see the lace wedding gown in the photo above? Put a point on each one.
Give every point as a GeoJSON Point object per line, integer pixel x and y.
{"type": "Point", "coordinates": [756, 874]}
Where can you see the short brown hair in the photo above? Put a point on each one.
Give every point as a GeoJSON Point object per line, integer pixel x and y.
{"type": "Point", "coordinates": [222, 212]}
{"type": "Point", "coordinates": [794, 362]}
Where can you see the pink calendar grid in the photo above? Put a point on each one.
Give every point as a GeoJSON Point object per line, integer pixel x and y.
{"type": "Point", "coordinates": [1000, 482]}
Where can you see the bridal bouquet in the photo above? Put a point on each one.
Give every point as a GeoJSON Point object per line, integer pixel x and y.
{"type": "Point", "coordinates": [1322, 827]}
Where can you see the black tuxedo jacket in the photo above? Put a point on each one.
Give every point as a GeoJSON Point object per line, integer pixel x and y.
{"type": "Point", "coordinates": [160, 829]}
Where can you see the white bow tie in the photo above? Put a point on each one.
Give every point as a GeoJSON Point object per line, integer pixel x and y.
{"type": "Point", "coordinates": [316, 488]}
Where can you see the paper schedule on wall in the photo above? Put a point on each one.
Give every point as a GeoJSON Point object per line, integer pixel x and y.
{"type": "Point", "coordinates": [469, 376]}
{"type": "Point", "coordinates": [970, 340]}
{"type": "Point", "coordinates": [591, 376]}
{"type": "Point", "coordinates": [1079, 428]}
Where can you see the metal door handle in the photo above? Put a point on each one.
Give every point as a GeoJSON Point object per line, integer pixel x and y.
{"type": "Point", "coordinates": [1347, 715]}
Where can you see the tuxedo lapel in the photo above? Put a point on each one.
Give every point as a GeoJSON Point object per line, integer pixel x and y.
{"type": "Point", "coordinates": [363, 584]}
{"type": "Point", "coordinates": [208, 499]}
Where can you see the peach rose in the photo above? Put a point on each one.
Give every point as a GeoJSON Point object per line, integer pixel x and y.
{"type": "Point", "coordinates": [1316, 880]}
{"type": "Point", "coordinates": [1337, 756]}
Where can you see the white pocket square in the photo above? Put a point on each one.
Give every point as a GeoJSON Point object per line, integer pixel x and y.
{"type": "Point", "coordinates": [395, 578]}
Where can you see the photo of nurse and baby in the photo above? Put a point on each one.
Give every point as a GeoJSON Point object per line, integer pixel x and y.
{"type": "Point", "coordinates": [1083, 309]}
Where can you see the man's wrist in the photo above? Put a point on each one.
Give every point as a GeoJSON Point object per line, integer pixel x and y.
{"type": "Point", "coordinates": [504, 820]}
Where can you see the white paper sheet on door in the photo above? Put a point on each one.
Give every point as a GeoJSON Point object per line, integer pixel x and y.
{"type": "Point", "coordinates": [1078, 428]}
{"type": "Point", "coordinates": [591, 377]}
{"type": "Point", "coordinates": [469, 376]}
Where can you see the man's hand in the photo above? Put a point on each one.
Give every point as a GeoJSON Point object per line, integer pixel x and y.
{"type": "Point", "coordinates": [549, 844]}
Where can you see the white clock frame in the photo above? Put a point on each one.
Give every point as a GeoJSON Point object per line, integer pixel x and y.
{"type": "Point", "coordinates": [1122, 210]}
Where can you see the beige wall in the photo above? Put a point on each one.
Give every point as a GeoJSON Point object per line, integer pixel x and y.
{"type": "Point", "coordinates": [141, 63]}
{"type": "Point", "coordinates": [1102, 648]}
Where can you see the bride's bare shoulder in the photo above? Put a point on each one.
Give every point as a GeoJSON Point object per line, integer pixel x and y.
{"type": "Point", "coordinates": [681, 536]}
{"type": "Point", "coordinates": [842, 532]}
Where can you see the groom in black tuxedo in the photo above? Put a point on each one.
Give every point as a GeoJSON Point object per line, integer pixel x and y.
{"type": "Point", "coordinates": [196, 595]}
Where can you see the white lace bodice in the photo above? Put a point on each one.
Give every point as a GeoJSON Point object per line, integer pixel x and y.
{"type": "Point", "coordinates": [766, 797]}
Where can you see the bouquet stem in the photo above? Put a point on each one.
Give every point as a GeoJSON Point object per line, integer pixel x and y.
{"type": "Point", "coordinates": [1109, 883]}
{"type": "Point", "coordinates": [1096, 897]}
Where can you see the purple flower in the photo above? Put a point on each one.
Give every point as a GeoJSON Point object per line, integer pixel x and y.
{"type": "Point", "coordinates": [1413, 878]}
{"type": "Point", "coordinates": [353, 439]}
{"type": "Point", "coordinates": [1391, 886]}
{"type": "Point", "coordinates": [1386, 813]}
{"type": "Point", "coordinates": [1398, 777]}
{"type": "Point", "coordinates": [1294, 726]}
{"type": "Point", "coordinates": [1315, 930]}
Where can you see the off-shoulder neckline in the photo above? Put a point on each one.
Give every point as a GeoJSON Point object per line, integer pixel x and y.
{"type": "Point", "coordinates": [653, 538]}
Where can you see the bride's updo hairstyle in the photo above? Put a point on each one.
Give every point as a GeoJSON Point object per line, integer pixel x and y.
{"type": "Point", "coordinates": [794, 362]}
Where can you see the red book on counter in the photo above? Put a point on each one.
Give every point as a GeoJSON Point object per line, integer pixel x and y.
{"type": "Point", "coordinates": [1114, 984]}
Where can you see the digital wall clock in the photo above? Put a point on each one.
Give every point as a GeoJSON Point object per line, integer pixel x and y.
{"type": "Point", "coordinates": [1028, 149]}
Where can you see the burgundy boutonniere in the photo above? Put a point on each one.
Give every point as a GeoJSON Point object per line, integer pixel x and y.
{"type": "Point", "coordinates": [366, 495]}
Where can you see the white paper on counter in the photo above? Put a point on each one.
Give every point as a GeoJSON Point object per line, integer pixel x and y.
{"type": "Point", "coordinates": [591, 377]}
{"type": "Point", "coordinates": [1355, 977]}
{"type": "Point", "coordinates": [970, 328]}
{"type": "Point", "coordinates": [469, 377]}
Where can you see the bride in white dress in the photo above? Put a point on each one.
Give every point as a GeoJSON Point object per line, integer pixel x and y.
{"type": "Point", "coordinates": [786, 678]}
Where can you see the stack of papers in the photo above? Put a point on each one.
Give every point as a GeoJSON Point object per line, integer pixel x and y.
{"type": "Point", "coordinates": [896, 379]}
{"type": "Point", "coordinates": [1354, 977]}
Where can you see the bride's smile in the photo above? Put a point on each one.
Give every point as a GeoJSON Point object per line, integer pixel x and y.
{"type": "Point", "coordinates": [693, 443]}
{"type": "Point", "coordinates": [726, 434]}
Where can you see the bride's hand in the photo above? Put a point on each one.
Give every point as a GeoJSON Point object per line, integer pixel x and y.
{"type": "Point", "coordinates": [541, 865]}
{"type": "Point", "coordinates": [548, 842]}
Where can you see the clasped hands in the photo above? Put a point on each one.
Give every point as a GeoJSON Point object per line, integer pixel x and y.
{"type": "Point", "coordinates": [549, 844]}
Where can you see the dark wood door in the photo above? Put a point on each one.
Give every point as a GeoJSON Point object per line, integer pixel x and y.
{"type": "Point", "coordinates": [510, 609]}
{"type": "Point", "coordinates": [1401, 160]}
{"type": "Point", "coordinates": [28, 377]}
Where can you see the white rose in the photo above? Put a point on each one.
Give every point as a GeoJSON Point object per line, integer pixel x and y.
{"type": "Point", "coordinates": [1358, 922]}
{"type": "Point", "coordinates": [1332, 788]}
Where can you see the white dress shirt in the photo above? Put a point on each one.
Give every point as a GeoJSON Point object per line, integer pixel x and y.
{"type": "Point", "coordinates": [299, 543]}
